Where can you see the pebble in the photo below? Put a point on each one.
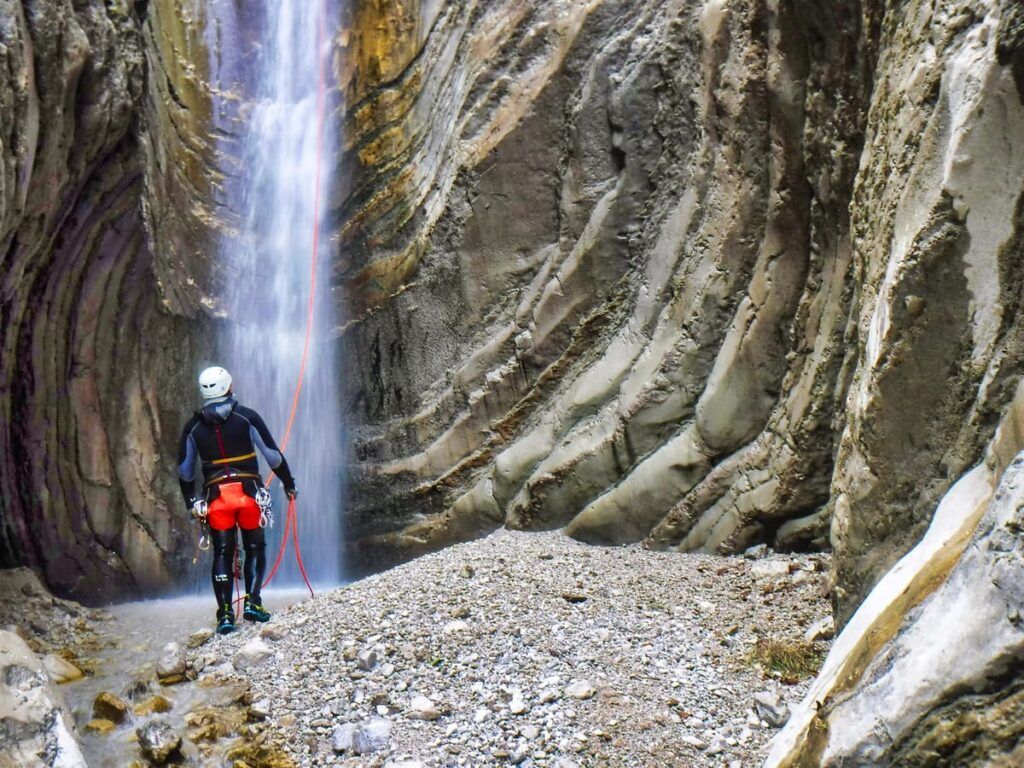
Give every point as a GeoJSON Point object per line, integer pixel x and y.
{"type": "Point", "coordinates": [580, 689]}
{"type": "Point", "coordinates": [172, 661]}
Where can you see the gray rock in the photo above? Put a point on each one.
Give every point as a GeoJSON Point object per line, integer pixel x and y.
{"type": "Point", "coordinates": [367, 660]}
{"type": "Point", "coordinates": [771, 708]}
{"type": "Point", "coordinates": [371, 736]}
{"type": "Point", "coordinates": [158, 741]}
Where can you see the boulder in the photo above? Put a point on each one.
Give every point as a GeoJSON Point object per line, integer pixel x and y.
{"type": "Point", "coordinates": [30, 699]}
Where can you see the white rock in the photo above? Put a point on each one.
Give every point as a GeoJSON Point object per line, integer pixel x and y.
{"type": "Point", "coordinates": [517, 706]}
{"type": "Point", "coordinates": [769, 569]}
{"type": "Point", "coordinates": [342, 737]}
{"type": "Point", "coordinates": [481, 714]}
{"type": "Point", "coordinates": [33, 704]}
{"type": "Point", "coordinates": [580, 689]}
{"type": "Point", "coordinates": [823, 629]}
{"type": "Point", "coordinates": [422, 708]}
{"type": "Point", "coordinates": [252, 654]}
{"type": "Point", "coordinates": [172, 661]}
{"type": "Point", "coordinates": [454, 626]}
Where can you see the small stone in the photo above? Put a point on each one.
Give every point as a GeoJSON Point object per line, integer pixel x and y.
{"type": "Point", "coordinates": [756, 552]}
{"type": "Point", "coordinates": [405, 764]}
{"type": "Point", "coordinates": [108, 706]}
{"type": "Point", "coordinates": [342, 737]}
{"type": "Point", "coordinates": [60, 669]}
{"type": "Point", "coordinates": [274, 632]}
{"type": "Point", "coordinates": [769, 569]}
{"type": "Point", "coordinates": [771, 708]}
{"type": "Point", "coordinates": [260, 709]}
{"type": "Point", "coordinates": [100, 725]}
{"type": "Point", "coordinates": [172, 662]}
{"type": "Point", "coordinates": [481, 715]}
{"type": "Point", "coordinates": [158, 741]}
{"type": "Point", "coordinates": [693, 741]}
{"type": "Point", "coordinates": [252, 654]}
{"type": "Point", "coordinates": [466, 571]}
{"type": "Point", "coordinates": [454, 626]}
{"type": "Point", "coordinates": [580, 689]}
{"type": "Point", "coordinates": [823, 629]}
{"type": "Point", "coordinates": [371, 736]}
{"type": "Point", "coordinates": [366, 660]}
{"type": "Point", "coordinates": [200, 637]}
{"type": "Point", "coordinates": [517, 706]}
{"type": "Point", "coordinates": [153, 705]}
{"type": "Point", "coordinates": [422, 708]}
{"type": "Point", "coordinates": [574, 597]}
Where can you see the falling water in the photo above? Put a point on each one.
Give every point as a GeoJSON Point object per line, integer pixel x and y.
{"type": "Point", "coordinates": [283, 154]}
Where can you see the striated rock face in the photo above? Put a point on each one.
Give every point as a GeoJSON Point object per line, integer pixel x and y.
{"type": "Point", "coordinates": [599, 268]}
{"type": "Point", "coordinates": [93, 368]}
{"type": "Point", "coordinates": [700, 274]}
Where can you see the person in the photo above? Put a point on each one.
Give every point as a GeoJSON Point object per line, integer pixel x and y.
{"type": "Point", "coordinates": [222, 438]}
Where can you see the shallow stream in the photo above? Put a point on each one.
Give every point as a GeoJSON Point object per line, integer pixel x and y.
{"type": "Point", "coordinates": [133, 641]}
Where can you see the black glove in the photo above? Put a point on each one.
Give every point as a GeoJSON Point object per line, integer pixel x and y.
{"type": "Point", "coordinates": [292, 493]}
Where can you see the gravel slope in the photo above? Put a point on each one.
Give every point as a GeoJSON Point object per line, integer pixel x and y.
{"type": "Point", "coordinates": [531, 649]}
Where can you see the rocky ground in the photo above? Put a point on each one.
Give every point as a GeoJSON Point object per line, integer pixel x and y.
{"type": "Point", "coordinates": [534, 650]}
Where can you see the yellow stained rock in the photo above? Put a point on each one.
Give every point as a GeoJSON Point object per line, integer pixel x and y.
{"type": "Point", "coordinates": [100, 725]}
{"type": "Point", "coordinates": [153, 705]}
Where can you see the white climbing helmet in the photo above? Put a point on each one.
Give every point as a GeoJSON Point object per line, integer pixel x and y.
{"type": "Point", "coordinates": [214, 382]}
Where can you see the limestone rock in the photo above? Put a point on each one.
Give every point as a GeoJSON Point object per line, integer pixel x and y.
{"type": "Point", "coordinates": [29, 699]}
{"type": "Point", "coordinates": [371, 736]}
{"type": "Point", "coordinates": [580, 689]}
{"type": "Point", "coordinates": [199, 638]}
{"type": "Point", "coordinates": [60, 669]}
{"type": "Point", "coordinates": [252, 654]}
{"type": "Point", "coordinates": [172, 662]}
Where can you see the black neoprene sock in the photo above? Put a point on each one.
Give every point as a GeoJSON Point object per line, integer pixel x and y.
{"type": "Point", "coordinates": [223, 564]}
{"type": "Point", "coordinates": [255, 565]}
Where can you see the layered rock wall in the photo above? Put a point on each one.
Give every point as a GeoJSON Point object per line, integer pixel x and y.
{"type": "Point", "coordinates": [600, 272]}
{"type": "Point", "coordinates": [93, 366]}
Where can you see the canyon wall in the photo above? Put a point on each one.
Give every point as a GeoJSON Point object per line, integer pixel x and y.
{"type": "Point", "coordinates": [96, 367]}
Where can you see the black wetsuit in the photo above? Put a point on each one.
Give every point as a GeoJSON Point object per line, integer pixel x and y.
{"type": "Point", "coordinates": [223, 438]}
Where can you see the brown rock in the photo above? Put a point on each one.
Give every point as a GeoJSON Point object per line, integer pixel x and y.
{"type": "Point", "coordinates": [108, 706]}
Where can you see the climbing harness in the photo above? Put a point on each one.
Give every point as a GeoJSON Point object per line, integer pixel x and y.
{"type": "Point", "coordinates": [266, 505]}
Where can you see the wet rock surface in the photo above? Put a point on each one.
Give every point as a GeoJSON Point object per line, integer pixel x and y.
{"type": "Point", "coordinates": [653, 669]}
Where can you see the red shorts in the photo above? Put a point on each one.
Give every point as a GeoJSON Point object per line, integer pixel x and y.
{"type": "Point", "coordinates": [233, 507]}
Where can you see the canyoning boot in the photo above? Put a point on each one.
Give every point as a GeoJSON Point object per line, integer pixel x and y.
{"type": "Point", "coordinates": [253, 610]}
{"type": "Point", "coordinates": [225, 621]}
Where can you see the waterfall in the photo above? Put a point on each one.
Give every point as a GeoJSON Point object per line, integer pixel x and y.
{"type": "Point", "coordinates": [273, 192]}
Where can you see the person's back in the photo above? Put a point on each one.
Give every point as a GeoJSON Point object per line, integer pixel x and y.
{"type": "Point", "coordinates": [222, 439]}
